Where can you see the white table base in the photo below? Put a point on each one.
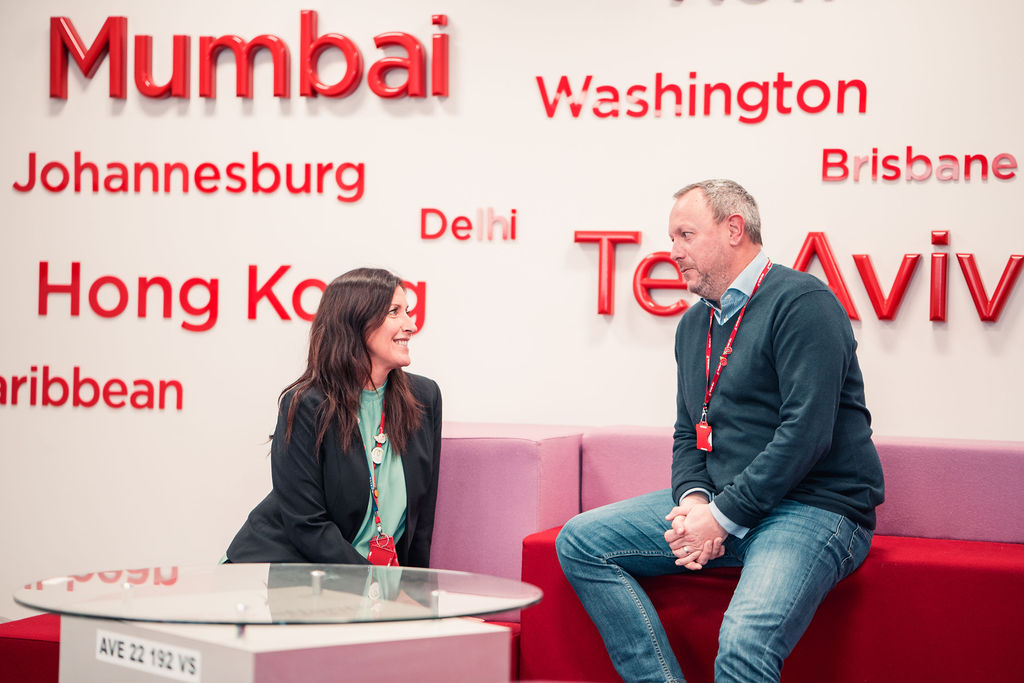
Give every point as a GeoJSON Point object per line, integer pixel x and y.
{"type": "Point", "coordinates": [441, 651]}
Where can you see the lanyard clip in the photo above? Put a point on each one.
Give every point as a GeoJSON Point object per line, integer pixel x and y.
{"type": "Point", "coordinates": [704, 413]}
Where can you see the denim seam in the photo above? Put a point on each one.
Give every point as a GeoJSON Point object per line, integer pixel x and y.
{"type": "Point", "coordinates": [858, 530]}
{"type": "Point", "coordinates": [848, 559]}
{"type": "Point", "coordinates": [806, 577]}
{"type": "Point", "coordinates": [642, 553]}
{"type": "Point", "coordinates": [666, 670]}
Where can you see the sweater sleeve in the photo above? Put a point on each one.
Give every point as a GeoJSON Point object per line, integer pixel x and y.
{"type": "Point", "coordinates": [299, 483]}
{"type": "Point", "coordinates": [689, 464]}
{"type": "Point", "coordinates": [813, 347]}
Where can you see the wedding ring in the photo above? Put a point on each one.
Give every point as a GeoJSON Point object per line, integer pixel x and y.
{"type": "Point", "coordinates": [686, 550]}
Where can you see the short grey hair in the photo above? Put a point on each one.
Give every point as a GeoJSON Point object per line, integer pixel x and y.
{"type": "Point", "coordinates": [726, 197]}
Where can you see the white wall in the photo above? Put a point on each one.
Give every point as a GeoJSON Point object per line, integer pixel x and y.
{"type": "Point", "coordinates": [511, 331]}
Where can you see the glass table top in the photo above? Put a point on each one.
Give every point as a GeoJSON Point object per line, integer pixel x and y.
{"type": "Point", "coordinates": [277, 594]}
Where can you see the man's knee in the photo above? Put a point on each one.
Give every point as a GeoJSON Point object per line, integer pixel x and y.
{"type": "Point", "coordinates": [747, 651]}
{"type": "Point", "coordinates": [568, 541]}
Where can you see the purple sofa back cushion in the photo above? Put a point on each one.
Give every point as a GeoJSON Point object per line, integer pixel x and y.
{"type": "Point", "coordinates": [934, 488]}
{"type": "Point", "coordinates": [498, 484]}
{"type": "Point", "coordinates": [952, 488]}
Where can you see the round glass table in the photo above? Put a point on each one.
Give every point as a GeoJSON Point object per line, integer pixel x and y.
{"type": "Point", "coordinates": [254, 622]}
{"type": "Point", "coordinates": [244, 594]}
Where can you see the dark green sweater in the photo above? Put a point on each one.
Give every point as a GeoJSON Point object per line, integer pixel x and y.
{"type": "Point", "coordinates": [788, 414]}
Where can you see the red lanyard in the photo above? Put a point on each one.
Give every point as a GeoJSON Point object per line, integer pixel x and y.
{"type": "Point", "coordinates": [376, 457]}
{"type": "Point", "coordinates": [711, 382]}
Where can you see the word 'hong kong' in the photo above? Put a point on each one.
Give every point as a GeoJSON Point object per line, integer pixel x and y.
{"type": "Point", "coordinates": [816, 245]}
{"type": "Point", "coordinates": [255, 175]}
{"type": "Point", "coordinates": [110, 296]}
{"type": "Point", "coordinates": [383, 76]}
{"type": "Point", "coordinates": [755, 99]}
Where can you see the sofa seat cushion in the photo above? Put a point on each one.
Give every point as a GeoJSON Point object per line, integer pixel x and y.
{"type": "Point", "coordinates": [917, 610]}
{"type": "Point", "coordinates": [30, 649]}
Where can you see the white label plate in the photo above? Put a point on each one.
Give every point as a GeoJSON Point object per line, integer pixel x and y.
{"type": "Point", "coordinates": [160, 659]}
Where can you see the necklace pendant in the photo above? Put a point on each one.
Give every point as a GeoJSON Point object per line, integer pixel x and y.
{"type": "Point", "coordinates": [381, 437]}
{"type": "Point", "coordinates": [377, 455]}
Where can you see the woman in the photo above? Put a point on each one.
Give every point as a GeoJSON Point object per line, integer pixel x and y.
{"type": "Point", "coordinates": [353, 422]}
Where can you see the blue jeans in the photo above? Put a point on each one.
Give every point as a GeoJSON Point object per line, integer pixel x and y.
{"type": "Point", "coordinates": [790, 561]}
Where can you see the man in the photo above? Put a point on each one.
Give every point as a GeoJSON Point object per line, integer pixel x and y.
{"type": "Point", "coordinates": [773, 468]}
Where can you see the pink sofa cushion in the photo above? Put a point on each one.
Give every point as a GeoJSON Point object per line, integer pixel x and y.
{"type": "Point", "coordinates": [498, 484]}
{"type": "Point", "coordinates": [934, 488]}
{"type": "Point", "coordinates": [622, 462]}
{"type": "Point", "coordinates": [952, 488]}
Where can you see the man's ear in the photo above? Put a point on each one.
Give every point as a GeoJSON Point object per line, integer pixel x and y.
{"type": "Point", "coordinates": [737, 228]}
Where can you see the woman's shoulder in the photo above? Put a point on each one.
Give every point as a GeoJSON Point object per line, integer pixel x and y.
{"type": "Point", "coordinates": [309, 398]}
{"type": "Point", "coordinates": [423, 388]}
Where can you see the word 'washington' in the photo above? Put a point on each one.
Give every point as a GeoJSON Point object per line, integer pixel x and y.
{"type": "Point", "coordinates": [207, 177]}
{"type": "Point", "coordinates": [697, 98]}
{"type": "Point", "coordinates": [54, 390]}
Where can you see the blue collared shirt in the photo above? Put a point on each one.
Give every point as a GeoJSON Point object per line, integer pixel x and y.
{"type": "Point", "coordinates": [739, 291]}
{"type": "Point", "coordinates": [732, 301]}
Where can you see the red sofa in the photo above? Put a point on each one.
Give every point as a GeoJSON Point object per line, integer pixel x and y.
{"type": "Point", "coordinates": [29, 649]}
{"type": "Point", "coordinates": [940, 597]}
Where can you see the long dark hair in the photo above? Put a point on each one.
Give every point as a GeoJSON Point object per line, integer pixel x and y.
{"type": "Point", "coordinates": [353, 305]}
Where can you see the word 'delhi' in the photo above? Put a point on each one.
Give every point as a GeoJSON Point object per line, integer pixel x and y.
{"type": "Point", "coordinates": [488, 225]}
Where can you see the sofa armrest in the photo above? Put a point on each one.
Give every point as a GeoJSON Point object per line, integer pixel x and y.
{"type": "Point", "coordinates": [499, 483]}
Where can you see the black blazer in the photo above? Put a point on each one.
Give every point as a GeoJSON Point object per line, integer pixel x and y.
{"type": "Point", "coordinates": [317, 504]}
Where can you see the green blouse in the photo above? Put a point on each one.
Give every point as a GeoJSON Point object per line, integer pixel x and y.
{"type": "Point", "coordinates": [390, 476]}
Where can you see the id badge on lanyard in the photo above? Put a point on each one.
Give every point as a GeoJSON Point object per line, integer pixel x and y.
{"type": "Point", "coordinates": [382, 547]}
{"type": "Point", "coordinates": [382, 551]}
{"type": "Point", "coordinates": [704, 436]}
{"type": "Point", "coordinates": [702, 428]}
